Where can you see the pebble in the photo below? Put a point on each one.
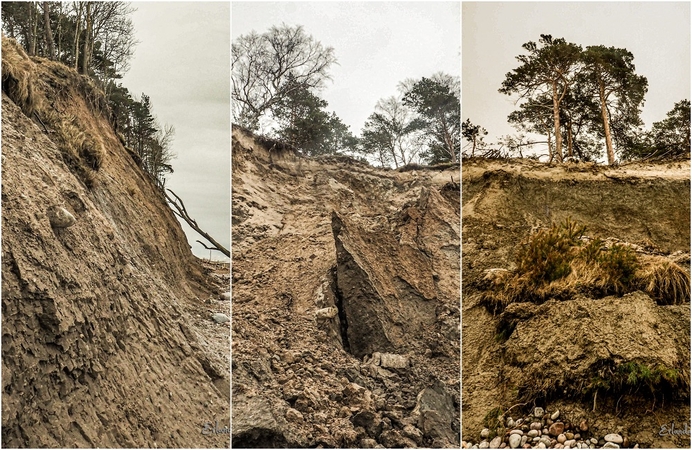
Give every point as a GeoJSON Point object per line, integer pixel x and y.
{"type": "Point", "coordinates": [614, 438]}
{"type": "Point", "coordinates": [514, 440]}
{"type": "Point", "coordinates": [561, 438]}
{"type": "Point", "coordinates": [59, 217]}
{"type": "Point", "coordinates": [220, 318]}
{"type": "Point", "coordinates": [495, 443]}
{"type": "Point", "coordinates": [556, 429]}
{"type": "Point", "coordinates": [569, 435]}
{"type": "Point", "coordinates": [533, 433]}
{"type": "Point", "coordinates": [541, 445]}
{"type": "Point", "coordinates": [510, 423]}
{"type": "Point", "coordinates": [571, 443]}
{"type": "Point", "coordinates": [594, 441]}
{"type": "Point", "coordinates": [538, 412]}
{"type": "Point", "coordinates": [610, 445]}
{"type": "Point", "coordinates": [484, 444]}
{"type": "Point", "coordinates": [536, 426]}
{"type": "Point", "coordinates": [555, 415]}
{"type": "Point", "coordinates": [485, 433]}
{"type": "Point", "coordinates": [584, 425]}
{"type": "Point", "coordinates": [524, 440]}
{"type": "Point", "coordinates": [518, 432]}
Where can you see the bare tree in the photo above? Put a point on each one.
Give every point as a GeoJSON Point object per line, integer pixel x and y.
{"type": "Point", "coordinates": [180, 211]}
{"type": "Point", "coordinates": [263, 65]}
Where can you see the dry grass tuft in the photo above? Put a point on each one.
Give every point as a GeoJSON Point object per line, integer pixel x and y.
{"type": "Point", "coordinates": [559, 263]}
{"type": "Point", "coordinates": [18, 77]}
{"type": "Point", "coordinates": [665, 281]}
{"type": "Point", "coordinates": [48, 90]}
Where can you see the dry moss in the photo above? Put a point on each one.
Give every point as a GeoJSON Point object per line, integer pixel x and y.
{"type": "Point", "coordinates": [665, 281]}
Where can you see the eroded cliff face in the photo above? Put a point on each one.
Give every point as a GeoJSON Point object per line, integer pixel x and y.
{"type": "Point", "coordinates": [552, 354]}
{"type": "Point", "coordinates": [345, 301]}
{"type": "Point", "coordinates": [106, 337]}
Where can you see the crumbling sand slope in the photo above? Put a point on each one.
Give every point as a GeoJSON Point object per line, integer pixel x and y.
{"type": "Point", "coordinates": [99, 347]}
{"type": "Point", "coordinates": [554, 352]}
{"type": "Point", "coordinates": [345, 301]}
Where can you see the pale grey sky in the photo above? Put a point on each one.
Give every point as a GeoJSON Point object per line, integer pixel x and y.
{"type": "Point", "coordinates": [377, 44]}
{"type": "Point", "coordinates": [657, 34]}
{"type": "Point", "coordinates": [183, 63]}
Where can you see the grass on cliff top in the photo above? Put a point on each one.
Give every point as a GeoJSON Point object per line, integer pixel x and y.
{"type": "Point", "coordinates": [560, 262]}
{"type": "Point", "coordinates": [45, 90]}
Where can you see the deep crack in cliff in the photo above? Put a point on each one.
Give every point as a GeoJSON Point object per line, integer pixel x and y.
{"type": "Point", "coordinates": [369, 259]}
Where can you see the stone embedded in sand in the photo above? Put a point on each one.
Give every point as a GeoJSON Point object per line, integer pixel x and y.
{"type": "Point", "coordinates": [610, 445]}
{"type": "Point", "coordinates": [391, 360]}
{"type": "Point", "coordinates": [326, 313]}
{"type": "Point", "coordinates": [220, 318]}
{"type": "Point", "coordinates": [485, 433]}
{"type": "Point", "coordinates": [538, 412]}
{"type": "Point", "coordinates": [225, 296]}
{"type": "Point", "coordinates": [555, 415]}
{"type": "Point", "coordinates": [294, 415]}
{"type": "Point", "coordinates": [59, 217]}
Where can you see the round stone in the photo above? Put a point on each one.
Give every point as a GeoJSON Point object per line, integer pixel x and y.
{"type": "Point", "coordinates": [536, 426]}
{"type": "Point", "coordinates": [514, 440]}
{"type": "Point", "coordinates": [541, 445]}
{"type": "Point", "coordinates": [483, 444]}
{"type": "Point", "coordinates": [485, 433]}
{"type": "Point", "coordinates": [561, 438]}
{"type": "Point", "coordinates": [610, 445]}
{"type": "Point", "coordinates": [556, 429]}
{"type": "Point", "coordinates": [555, 415]}
{"type": "Point", "coordinates": [532, 433]}
{"type": "Point", "coordinates": [538, 412]}
{"type": "Point", "coordinates": [569, 435]}
{"type": "Point", "coordinates": [613, 437]}
{"type": "Point", "coordinates": [495, 443]}
{"type": "Point", "coordinates": [517, 432]}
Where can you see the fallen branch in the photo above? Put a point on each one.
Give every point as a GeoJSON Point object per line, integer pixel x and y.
{"type": "Point", "coordinates": [180, 211]}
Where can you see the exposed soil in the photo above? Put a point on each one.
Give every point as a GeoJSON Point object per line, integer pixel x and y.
{"type": "Point", "coordinates": [552, 351]}
{"type": "Point", "coordinates": [345, 302]}
{"type": "Point", "coordinates": [107, 335]}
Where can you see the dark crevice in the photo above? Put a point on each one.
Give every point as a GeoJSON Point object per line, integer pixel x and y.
{"type": "Point", "coordinates": [343, 322]}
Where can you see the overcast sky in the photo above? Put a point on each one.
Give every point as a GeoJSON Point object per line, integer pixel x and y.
{"type": "Point", "coordinates": [657, 34]}
{"type": "Point", "coordinates": [377, 44]}
{"type": "Point", "coordinates": [182, 62]}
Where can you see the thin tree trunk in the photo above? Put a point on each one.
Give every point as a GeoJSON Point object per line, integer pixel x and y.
{"type": "Point", "coordinates": [556, 120]}
{"type": "Point", "coordinates": [33, 24]}
{"type": "Point", "coordinates": [47, 31]}
{"type": "Point", "coordinates": [570, 153]}
{"type": "Point", "coordinates": [606, 124]}
{"type": "Point", "coordinates": [550, 146]}
{"type": "Point", "coordinates": [86, 50]}
{"type": "Point", "coordinates": [78, 31]}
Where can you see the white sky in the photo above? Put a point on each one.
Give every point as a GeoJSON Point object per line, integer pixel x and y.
{"type": "Point", "coordinates": [657, 34]}
{"type": "Point", "coordinates": [183, 63]}
{"type": "Point", "coordinates": [377, 44]}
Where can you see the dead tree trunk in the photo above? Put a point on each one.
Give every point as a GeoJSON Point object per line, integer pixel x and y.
{"type": "Point", "coordinates": [180, 211]}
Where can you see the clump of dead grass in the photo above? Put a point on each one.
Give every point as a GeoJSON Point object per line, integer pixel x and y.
{"type": "Point", "coordinates": [19, 77]}
{"type": "Point", "coordinates": [664, 281]}
{"type": "Point", "coordinates": [560, 262]}
{"type": "Point", "coordinates": [46, 90]}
